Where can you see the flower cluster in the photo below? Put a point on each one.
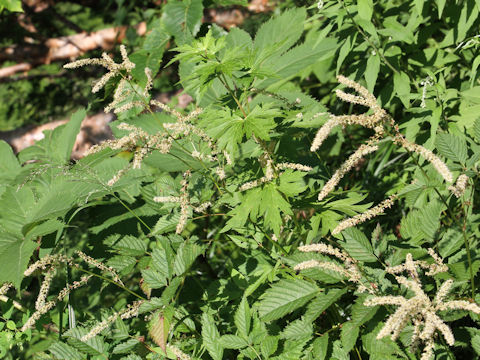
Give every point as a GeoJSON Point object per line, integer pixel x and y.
{"type": "Point", "coordinates": [367, 215]}
{"type": "Point", "coordinates": [128, 312]}
{"type": "Point", "coordinates": [270, 173]}
{"type": "Point", "coordinates": [349, 269]}
{"type": "Point", "coordinates": [106, 61]}
{"type": "Point", "coordinates": [378, 120]}
{"type": "Point", "coordinates": [49, 264]}
{"type": "Point", "coordinates": [420, 309]}
{"type": "Point", "coordinates": [185, 203]}
{"type": "Point", "coordinates": [460, 186]}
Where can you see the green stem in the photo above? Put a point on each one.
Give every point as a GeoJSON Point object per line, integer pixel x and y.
{"type": "Point", "coordinates": [131, 211]}
{"type": "Point", "coordinates": [359, 29]}
{"type": "Point", "coordinates": [113, 282]}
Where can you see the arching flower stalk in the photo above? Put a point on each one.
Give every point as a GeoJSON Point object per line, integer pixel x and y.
{"type": "Point", "coordinates": [367, 215]}
{"type": "Point", "coordinates": [349, 268]}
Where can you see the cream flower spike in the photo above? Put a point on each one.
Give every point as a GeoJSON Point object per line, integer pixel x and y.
{"type": "Point", "coordinates": [106, 61]}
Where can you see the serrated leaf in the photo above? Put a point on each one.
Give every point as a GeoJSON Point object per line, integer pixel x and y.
{"type": "Point", "coordinates": [476, 130]}
{"type": "Point", "coordinates": [283, 30]}
{"type": "Point", "coordinates": [297, 330]}
{"type": "Point", "coordinates": [57, 145]}
{"type": "Point", "coordinates": [242, 318]}
{"type": "Point", "coordinates": [130, 245]}
{"type": "Point", "coordinates": [269, 345]}
{"type": "Point", "coordinates": [182, 19]}
{"type": "Point", "coordinates": [476, 344]}
{"type": "Point", "coordinates": [186, 255]}
{"type": "Point", "coordinates": [233, 342]}
{"type": "Point", "coordinates": [322, 302]}
{"type": "Point", "coordinates": [260, 121]}
{"type": "Point", "coordinates": [320, 347]}
{"type": "Point", "coordinates": [62, 351]}
{"type": "Point", "coordinates": [284, 297]}
{"type": "Point", "coordinates": [166, 224]}
{"type": "Point", "coordinates": [349, 335]}
{"type": "Point", "coordinates": [450, 243]}
{"type": "Point", "coordinates": [153, 279]}
{"type": "Point", "coordinates": [159, 330]}
{"type": "Point", "coordinates": [125, 346]}
{"type": "Point", "coordinates": [272, 204]}
{"type": "Point", "coordinates": [93, 346]}
{"type": "Point", "coordinates": [295, 61]}
{"type": "Point", "coordinates": [211, 337]}
{"type": "Point", "coordinates": [358, 246]}
{"type": "Point", "coordinates": [15, 253]}
{"type": "Point", "coordinates": [291, 182]}
{"type": "Point", "coordinates": [9, 166]}
{"type": "Point", "coordinates": [452, 147]}
{"type": "Point", "coordinates": [361, 313]}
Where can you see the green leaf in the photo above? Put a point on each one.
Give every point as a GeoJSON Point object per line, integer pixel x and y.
{"type": "Point", "coordinates": [131, 245]}
{"type": "Point", "coordinates": [15, 252]}
{"type": "Point", "coordinates": [211, 337]}
{"type": "Point", "coordinates": [361, 313]}
{"type": "Point", "coordinates": [186, 255]}
{"type": "Point", "coordinates": [9, 166]}
{"type": "Point", "coordinates": [371, 72]}
{"type": "Point", "coordinates": [365, 9]}
{"type": "Point", "coordinates": [93, 346]}
{"type": "Point", "coordinates": [320, 347]}
{"type": "Point", "coordinates": [154, 279]}
{"type": "Point", "coordinates": [125, 347]}
{"type": "Point", "coordinates": [64, 351]}
{"type": "Point", "coordinates": [11, 5]}
{"type": "Point", "coordinates": [476, 344]}
{"type": "Point", "coordinates": [322, 302]}
{"type": "Point", "coordinates": [233, 342]}
{"type": "Point", "coordinates": [349, 335]}
{"type": "Point", "coordinates": [58, 143]}
{"type": "Point", "coordinates": [291, 182]}
{"type": "Point", "coordinates": [358, 246]}
{"type": "Point", "coordinates": [476, 130]}
{"type": "Point", "coordinates": [283, 31]}
{"type": "Point", "coordinates": [284, 297]}
{"type": "Point", "coordinates": [269, 345]}
{"type": "Point", "coordinates": [451, 242]}
{"type": "Point", "coordinates": [451, 146]}
{"type": "Point", "coordinates": [298, 329]}
{"type": "Point", "coordinates": [260, 121]}
{"type": "Point", "coordinates": [242, 318]}
{"type": "Point", "coordinates": [401, 82]}
{"type": "Point", "coordinates": [271, 205]}
{"type": "Point", "coordinates": [296, 60]}
{"type": "Point", "coordinates": [182, 19]}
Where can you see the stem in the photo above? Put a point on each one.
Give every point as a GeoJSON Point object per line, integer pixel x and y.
{"type": "Point", "coordinates": [359, 29]}
{"type": "Point", "coordinates": [113, 282]}
{"type": "Point", "coordinates": [131, 211]}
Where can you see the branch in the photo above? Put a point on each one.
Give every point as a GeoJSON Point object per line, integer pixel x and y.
{"type": "Point", "coordinates": [62, 48]}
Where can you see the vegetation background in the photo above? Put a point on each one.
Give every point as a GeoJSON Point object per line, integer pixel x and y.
{"type": "Point", "coordinates": [197, 231]}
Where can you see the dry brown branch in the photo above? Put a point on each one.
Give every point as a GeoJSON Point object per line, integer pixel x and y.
{"type": "Point", "coordinates": [62, 48]}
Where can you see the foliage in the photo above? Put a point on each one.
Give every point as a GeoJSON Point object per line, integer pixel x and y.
{"type": "Point", "coordinates": [201, 233]}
